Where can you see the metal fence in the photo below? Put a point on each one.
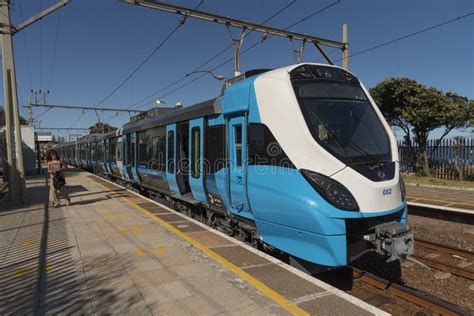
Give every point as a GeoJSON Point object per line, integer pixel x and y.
{"type": "Point", "coordinates": [452, 159]}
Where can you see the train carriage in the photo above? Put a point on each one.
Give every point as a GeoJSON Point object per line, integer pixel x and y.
{"type": "Point", "coordinates": [297, 159]}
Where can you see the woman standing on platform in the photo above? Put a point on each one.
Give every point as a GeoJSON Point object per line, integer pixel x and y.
{"type": "Point", "coordinates": [56, 168]}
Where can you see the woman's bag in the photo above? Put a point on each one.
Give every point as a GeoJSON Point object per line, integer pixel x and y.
{"type": "Point", "coordinates": [58, 180]}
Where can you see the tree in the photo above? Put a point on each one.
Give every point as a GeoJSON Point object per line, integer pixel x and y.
{"type": "Point", "coordinates": [101, 128]}
{"type": "Point", "coordinates": [418, 110]}
{"type": "Point", "coordinates": [2, 118]}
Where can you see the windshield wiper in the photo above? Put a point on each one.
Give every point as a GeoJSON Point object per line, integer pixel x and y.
{"type": "Point", "coordinates": [337, 141]}
{"type": "Point", "coordinates": [334, 138]}
{"type": "Point", "coordinates": [378, 163]}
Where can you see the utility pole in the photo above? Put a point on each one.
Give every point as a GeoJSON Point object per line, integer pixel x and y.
{"type": "Point", "coordinates": [30, 112]}
{"type": "Point", "coordinates": [345, 49]}
{"type": "Point", "coordinates": [16, 173]}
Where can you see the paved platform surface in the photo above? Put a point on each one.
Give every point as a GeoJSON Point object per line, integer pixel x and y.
{"type": "Point", "coordinates": [441, 197]}
{"type": "Point", "coordinates": [113, 252]}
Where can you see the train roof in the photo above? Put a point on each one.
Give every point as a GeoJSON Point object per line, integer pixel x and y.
{"type": "Point", "coordinates": [283, 72]}
{"type": "Point", "coordinates": [206, 108]}
{"type": "Point", "coordinates": [87, 138]}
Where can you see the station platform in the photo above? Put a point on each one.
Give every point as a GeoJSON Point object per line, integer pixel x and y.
{"type": "Point", "coordinates": [444, 198]}
{"type": "Point", "coordinates": [115, 252]}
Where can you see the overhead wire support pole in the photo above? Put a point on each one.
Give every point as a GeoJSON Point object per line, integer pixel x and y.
{"type": "Point", "coordinates": [345, 49]}
{"type": "Point", "coordinates": [40, 15]}
{"type": "Point", "coordinates": [237, 44]}
{"type": "Point", "coordinates": [299, 52]}
{"type": "Point", "coordinates": [16, 171]}
{"type": "Point", "coordinates": [210, 17]}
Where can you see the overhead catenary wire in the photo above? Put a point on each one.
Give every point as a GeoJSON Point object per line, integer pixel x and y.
{"type": "Point", "coordinates": [213, 57]}
{"type": "Point", "coordinates": [40, 48]}
{"type": "Point", "coordinates": [355, 54]}
{"type": "Point", "coordinates": [54, 50]}
{"type": "Point", "coordinates": [26, 48]}
{"type": "Point", "coordinates": [243, 52]}
{"type": "Point", "coordinates": [142, 63]}
{"type": "Point", "coordinates": [147, 58]}
{"type": "Point", "coordinates": [410, 35]}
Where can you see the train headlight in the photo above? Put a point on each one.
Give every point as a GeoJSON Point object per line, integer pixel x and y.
{"type": "Point", "coordinates": [332, 191]}
{"type": "Point", "coordinates": [402, 187]}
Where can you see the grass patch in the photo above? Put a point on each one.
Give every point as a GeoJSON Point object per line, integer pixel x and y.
{"type": "Point", "coordinates": [412, 179]}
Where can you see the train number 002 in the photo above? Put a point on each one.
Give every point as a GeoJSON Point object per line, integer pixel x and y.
{"type": "Point", "coordinates": [387, 192]}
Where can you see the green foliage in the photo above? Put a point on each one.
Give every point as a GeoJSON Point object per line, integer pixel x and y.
{"type": "Point", "coordinates": [101, 128]}
{"type": "Point", "coordinates": [418, 110]}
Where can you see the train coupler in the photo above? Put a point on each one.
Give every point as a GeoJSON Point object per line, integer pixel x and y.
{"type": "Point", "coordinates": [393, 240]}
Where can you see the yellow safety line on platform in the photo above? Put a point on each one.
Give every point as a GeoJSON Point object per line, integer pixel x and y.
{"type": "Point", "coordinates": [283, 302]}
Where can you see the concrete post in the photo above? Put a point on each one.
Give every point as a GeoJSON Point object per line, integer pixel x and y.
{"type": "Point", "coordinates": [345, 49]}
{"type": "Point", "coordinates": [15, 164]}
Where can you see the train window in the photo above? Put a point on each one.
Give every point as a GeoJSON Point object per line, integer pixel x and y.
{"type": "Point", "coordinates": [215, 149]}
{"type": "Point", "coordinates": [119, 150]}
{"type": "Point", "coordinates": [238, 144]}
{"type": "Point", "coordinates": [170, 152]}
{"type": "Point", "coordinates": [100, 150]}
{"type": "Point", "coordinates": [159, 152]}
{"type": "Point", "coordinates": [82, 152]}
{"type": "Point", "coordinates": [195, 151]}
{"type": "Point", "coordinates": [93, 151]}
{"type": "Point", "coordinates": [143, 154]}
{"type": "Point", "coordinates": [264, 148]}
{"type": "Point", "coordinates": [112, 149]}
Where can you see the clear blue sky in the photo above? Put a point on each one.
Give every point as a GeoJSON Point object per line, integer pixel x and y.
{"type": "Point", "coordinates": [100, 42]}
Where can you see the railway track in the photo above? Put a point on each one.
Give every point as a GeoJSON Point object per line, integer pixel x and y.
{"type": "Point", "coordinates": [463, 266]}
{"type": "Point", "coordinates": [421, 299]}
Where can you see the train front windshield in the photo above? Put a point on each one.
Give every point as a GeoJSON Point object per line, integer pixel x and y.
{"type": "Point", "coordinates": [340, 117]}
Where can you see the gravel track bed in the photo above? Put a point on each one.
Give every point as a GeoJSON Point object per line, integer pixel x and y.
{"type": "Point", "coordinates": [447, 233]}
{"type": "Point", "coordinates": [454, 289]}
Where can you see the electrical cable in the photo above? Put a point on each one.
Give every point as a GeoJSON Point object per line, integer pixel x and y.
{"type": "Point", "coordinates": [40, 48]}
{"type": "Point", "coordinates": [153, 52]}
{"type": "Point", "coordinates": [213, 57]}
{"type": "Point", "coordinates": [26, 47]}
{"type": "Point", "coordinates": [355, 54]}
{"type": "Point", "coordinates": [245, 51]}
{"type": "Point", "coordinates": [54, 50]}
{"type": "Point", "coordinates": [409, 35]}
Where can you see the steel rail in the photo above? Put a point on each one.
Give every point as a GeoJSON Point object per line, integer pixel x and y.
{"type": "Point", "coordinates": [416, 297]}
{"type": "Point", "coordinates": [445, 266]}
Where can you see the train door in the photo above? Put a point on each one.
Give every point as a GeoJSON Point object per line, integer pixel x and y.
{"type": "Point", "coordinates": [182, 154]}
{"type": "Point", "coordinates": [196, 163]}
{"type": "Point", "coordinates": [238, 164]}
{"type": "Point", "coordinates": [130, 166]}
{"type": "Point", "coordinates": [134, 155]}
{"type": "Point", "coordinates": [171, 158]}
{"type": "Point", "coordinates": [119, 153]}
{"type": "Point", "coordinates": [106, 155]}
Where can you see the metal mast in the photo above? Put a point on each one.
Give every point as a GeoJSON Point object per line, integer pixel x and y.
{"type": "Point", "coordinates": [16, 172]}
{"type": "Point", "coordinates": [249, 26]}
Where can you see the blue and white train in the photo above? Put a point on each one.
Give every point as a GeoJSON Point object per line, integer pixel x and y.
{"type": "Point", "coordinates": [297, 159]}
